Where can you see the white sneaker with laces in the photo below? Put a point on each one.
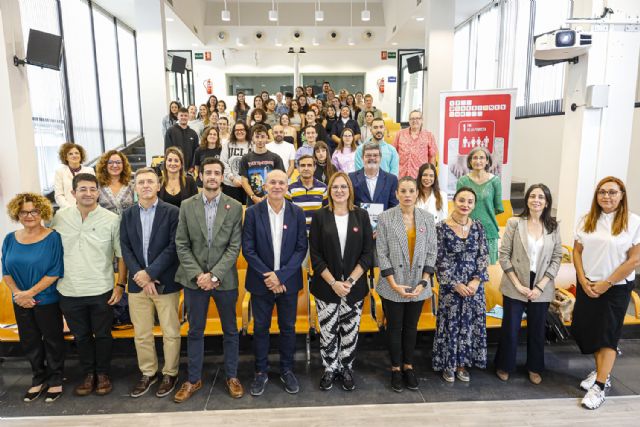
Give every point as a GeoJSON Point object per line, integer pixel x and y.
{"type": "Point", "coordinates": [594, 398]}
{"type": "Point", "coordinates": [588, 382]}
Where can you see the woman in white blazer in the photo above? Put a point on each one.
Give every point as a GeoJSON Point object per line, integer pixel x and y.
{"type": "Point", "coordinates": [406, 247]}
{"type": "Point", "coordinates": [71, 156]}
{"type": "Point", "coordinates": [530, 255]}
{"type": "Point", "coordinates": [430, 197]}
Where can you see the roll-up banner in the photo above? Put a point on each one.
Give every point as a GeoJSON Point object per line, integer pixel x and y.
{"type": "Point", "coordinates": [470, 119]}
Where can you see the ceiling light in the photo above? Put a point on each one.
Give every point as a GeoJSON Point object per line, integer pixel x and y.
{"type": "Point", "coordinates": [169, 19]}
{"type": "Point", "coordinates": [350, 41]}
{"type": "Point", "coordinates": [365, 15]}
{"type": "Point", "coordinates": [278, 42]}
{"type": "Point", "coordinates": [302, 50]}
{"type": "Point", "coordinates": [419, 18]}
{"type": "Point", "coordinates": [225, 15]}
{"type": "Point", "coordinates": [394, 44]}
{"type": "Point", "coordinates": [314, 41]}
{"type": "Point", "coordinates": [194, 44]}
{"type": "Point", "coordinates": [273, 15]}
{"type": "Point", "coordinates": [319, 16]}
{"type": "Point", "coordinates": [239, 41]}
{"type": "Point", "coordinates": [291, 50]}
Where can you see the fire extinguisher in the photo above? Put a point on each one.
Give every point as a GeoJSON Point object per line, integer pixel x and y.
{"type": "Point", "coordinates": [381, 85]}
{"type": "Point", "coordinates": [208, 86]}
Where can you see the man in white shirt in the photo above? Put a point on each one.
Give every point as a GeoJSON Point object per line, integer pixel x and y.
{"type": "Point", "coordinates": [286, 151]}
{"type": "Point", "coordinates": [274, 243]}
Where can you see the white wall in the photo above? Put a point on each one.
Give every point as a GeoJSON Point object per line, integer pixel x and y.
{"type": "Point", "coordinates": [350, 61]}
{"type": "Point", "coordinates": [633, 177]}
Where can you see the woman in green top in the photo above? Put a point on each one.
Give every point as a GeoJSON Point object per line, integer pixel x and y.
{"type": "Point", "coordinates": [489, 195]}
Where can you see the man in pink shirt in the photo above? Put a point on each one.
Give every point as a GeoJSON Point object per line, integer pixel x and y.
{"type": "Point", "coordinates": [415, 146]}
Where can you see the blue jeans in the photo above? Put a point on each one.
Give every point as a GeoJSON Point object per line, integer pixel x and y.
{"type": "Point", "coordinates": [197, 303]}
{"type": "Point", "coordinates": [262, 309]}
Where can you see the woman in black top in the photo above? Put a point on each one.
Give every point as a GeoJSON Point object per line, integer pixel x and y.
{"type": "Point", "coordinates": [210, 146]}
{"type": "Point", "coordinates": [241, 109]}
{"type": "Point", "coordinates": [176, 185]}
{"type": "Point", "coordinates": [339, 281]}
{"type": "Point", "coordinates": [324, 168]}
{"type": "Point", "coordinates": [330, 118]}
{"type": "Point", "coordinates": [258, 117]}
{"type": "Point", "coordinates": [212, 103]}
{"type": "Point", "coordinates": [304, 105]}
{"type": "Point", "coordinates": [353, 108]}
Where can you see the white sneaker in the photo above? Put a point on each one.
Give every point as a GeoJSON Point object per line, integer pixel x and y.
{"type": "Point", "coordinates": [588, 382]}
{"type": "Point", "coordinates": [594, 398]}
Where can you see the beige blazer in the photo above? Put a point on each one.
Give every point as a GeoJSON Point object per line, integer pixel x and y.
{"type": "Point", "coordinates": [514, 256]}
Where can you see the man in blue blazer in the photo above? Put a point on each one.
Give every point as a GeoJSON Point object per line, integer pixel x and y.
{"type": "Point", "coordinates": [372, 185]}
{"type": "Point", "coordinates": [274, 243]}
{"type": "Point", "coordinates": [147, 239]}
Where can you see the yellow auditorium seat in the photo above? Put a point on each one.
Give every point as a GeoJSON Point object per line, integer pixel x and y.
{"type": "Point", "coordinates": [8, 327]}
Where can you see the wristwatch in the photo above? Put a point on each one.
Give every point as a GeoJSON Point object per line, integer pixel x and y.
{"type": "Point", "coordinates": [351, 280]}
{"type": "Point", "coordinates": [121, 285]}
{"type": "Point", "coordinates": [214, 279]}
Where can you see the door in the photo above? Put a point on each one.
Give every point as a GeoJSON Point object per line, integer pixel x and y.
{"type": "Point", "coordinates": [410, 85]}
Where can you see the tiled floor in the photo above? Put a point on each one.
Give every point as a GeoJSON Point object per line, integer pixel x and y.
{"type": "Point", "coordinates": [565, 368]}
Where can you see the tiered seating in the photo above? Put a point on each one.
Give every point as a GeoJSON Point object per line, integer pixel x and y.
{"type": "Point", "coordinates": [7, 316]}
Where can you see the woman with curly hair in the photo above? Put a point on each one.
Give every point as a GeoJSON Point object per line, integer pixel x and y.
{"type": "Point", "coordinates": [114, 176]}
{"type": "Point", "coordinates": [31, 265]}
{"type": "Point", "coordinates": [71, 156]}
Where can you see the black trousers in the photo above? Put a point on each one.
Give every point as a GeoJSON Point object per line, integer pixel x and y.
{"type": "Point", "coordinates": [402, 329]}
{"type": "Point", "coordinates": [236, 193]}
{"type": "Point", "coordinates": [508, 345]}
{"type": "Point", "coordinates": [41, 337]}
{"type": "Point", "coordinates": [90, 319]}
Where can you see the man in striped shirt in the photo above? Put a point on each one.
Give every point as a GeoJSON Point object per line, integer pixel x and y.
{"type": "Point", "coordinates": [307, 192]}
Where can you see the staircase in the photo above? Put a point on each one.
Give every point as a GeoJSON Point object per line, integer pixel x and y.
{"type": "Point", "coordinates": [136, 155]}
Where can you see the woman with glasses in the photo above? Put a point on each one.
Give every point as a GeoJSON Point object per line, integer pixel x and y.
{"type": "Point", "coordinates": [341, 247]}
{"type": "Point", "coordinates": [606, 253]}
{"type": "Point", "coordinates": [415, 146]}
{"type": "Point", "coordinates": [114, 176]}
{"type": "Point", "coordinates": [230, 155]}
{"type": "Point", "coordinates": [31, 265]}
{"type": "Point", "coordinates": [344, 156]}
{"type": "Point", "coordinates": [488, 189]}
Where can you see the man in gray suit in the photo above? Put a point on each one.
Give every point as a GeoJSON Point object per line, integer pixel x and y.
{"type": "Point", "coordinates": [208, 241]}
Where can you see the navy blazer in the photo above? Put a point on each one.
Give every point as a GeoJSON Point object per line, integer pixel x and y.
{"type": "Point", "coordinates": [338, 127]}
{"type": "Point", "coordinates": [385, 193]}
{"type": "Point", "coordinates": [257, 247]}
{"type": "Point", "coordinates": [162, 256]}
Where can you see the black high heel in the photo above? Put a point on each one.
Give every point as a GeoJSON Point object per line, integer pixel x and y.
{"type": "Point", "coordinates": [52, 396]}
{"type": "Point", "coordinates": [31, 396]}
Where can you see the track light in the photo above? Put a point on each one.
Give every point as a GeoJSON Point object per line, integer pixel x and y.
{"type": "Point", "coordinates": [314, 41]}
{"type": "Point", "coordinates": [365, 15]}
{"type": "Point", "coordinates": [291, 50]}
{"type": "Point", "coordinates": [278, 42]}
{"type": "Point", "coordinates": [319, 16]}
{"type": "Point", "coordinates": [273, 13]}
{"type": "Point", "coordinates": [350, 41]}
{"type": "Point", "coordinates": [225, 15]}
{"type": "Point", "coordinates": [302, 50]}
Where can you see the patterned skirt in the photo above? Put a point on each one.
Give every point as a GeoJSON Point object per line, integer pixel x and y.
{"type": "Point", "coordinates": [461, 330]}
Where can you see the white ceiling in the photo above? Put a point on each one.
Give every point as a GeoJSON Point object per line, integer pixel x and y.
{"type": "Point", "coordinates": [293, 16]}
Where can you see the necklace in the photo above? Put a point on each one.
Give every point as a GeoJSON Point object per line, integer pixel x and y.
{"type": "Point", "coordinates": [465, 226]}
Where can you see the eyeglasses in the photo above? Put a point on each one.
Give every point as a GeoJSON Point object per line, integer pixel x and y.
{"type": "Point", "coordinates": [371, 156]}
{"type": "Point", "coordinates": [610, 193]}
{"type": "Point", "coordinates": [87, 190]}
{"type": "Point", "coordinates": [339, 187]}
{"type": "Point", "coordinates": [115, 162]}
{"type": "Point", "coordinates": [33, 213]}
{"type": "Point", "coordinates": [415, 118]}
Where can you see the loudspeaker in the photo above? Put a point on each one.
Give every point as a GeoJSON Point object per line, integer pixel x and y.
{"type": "Point", "coordinates": [44, 49]}
{"type": "Point", "coordinates": [178, 64]}
{"type": "Point", "coordinates": [414, 64]}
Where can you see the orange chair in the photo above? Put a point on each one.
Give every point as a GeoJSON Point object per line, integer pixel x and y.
{"type": "Point", "coordinates": [8, 327]}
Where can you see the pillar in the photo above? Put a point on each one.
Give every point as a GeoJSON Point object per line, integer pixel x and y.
{"type": "Point", "coordinates": [18, 170]}
{"type": "Point", "coordinates": [154, 85]}
{"type": "Point", "coordinates": [596, 142]}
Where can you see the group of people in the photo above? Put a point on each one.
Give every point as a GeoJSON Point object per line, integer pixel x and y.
{"type": "Point", "coordinates": [166, 235]}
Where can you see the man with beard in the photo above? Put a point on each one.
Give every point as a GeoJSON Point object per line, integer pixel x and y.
{"type": "Point", "coordinates": [390, 161]}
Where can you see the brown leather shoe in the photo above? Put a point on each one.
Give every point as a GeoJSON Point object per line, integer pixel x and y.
{"type": "Point", "coordinates": [86, 386]}
{"type": "Point", "coordinates": [503, 375]}
{"type": "Point", "coordinates": [104, 385]}
{"type": "Point", "coordinates": [235, 388]}
{"type": "Point", "coordinates": [535, 378]}
{"type": "Point", "coordinates": [143, 385]}
{"type": "Point", "coordinates": [167, 385]}
{"type": "Point", "coordinates": [186, 391]}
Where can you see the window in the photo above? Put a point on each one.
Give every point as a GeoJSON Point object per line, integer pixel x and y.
{"type": "Point", "coordinates": [108, 79]}
{"type": "Point", "coordinates": [81, 72]}
{"type": "Point", "coordinates": [494, 49]}
{"type": "Point", "coordinates": [46, 92]}
{"type": "Point", "coordinates": [129, 77]}
{"type": "Point", "coordinates": [254, 84]}
{"type": "Point", "coordinates": [351, 82]}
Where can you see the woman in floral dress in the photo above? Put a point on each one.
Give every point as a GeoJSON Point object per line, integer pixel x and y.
{"type": "Point", "coordinates": [461, 268]}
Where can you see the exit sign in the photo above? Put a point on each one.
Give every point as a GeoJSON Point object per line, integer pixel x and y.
{"type": "Point", "coordinates": [391, 55]}
{"type": "Point", "coordinates": [199, 55]}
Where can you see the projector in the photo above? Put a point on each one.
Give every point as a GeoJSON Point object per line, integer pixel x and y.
{"type": "Point", "coordinates": [562, 45]}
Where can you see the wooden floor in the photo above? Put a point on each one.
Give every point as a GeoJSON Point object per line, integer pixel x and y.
{"type": "Point", "coordinates": [616, 411]}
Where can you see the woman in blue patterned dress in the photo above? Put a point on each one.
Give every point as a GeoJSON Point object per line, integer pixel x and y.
{"type": "Point", "coordinates": [461, 268]}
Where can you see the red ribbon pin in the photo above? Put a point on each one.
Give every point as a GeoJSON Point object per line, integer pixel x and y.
{"type": "Point", "coordinates": [355, 229]}
{"type": "Point", "coordinates": [284, 226]}
{"type": "Point", "coordinates": [422, 229]}
{"type": "Point", "coordinates": [227, 207]}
